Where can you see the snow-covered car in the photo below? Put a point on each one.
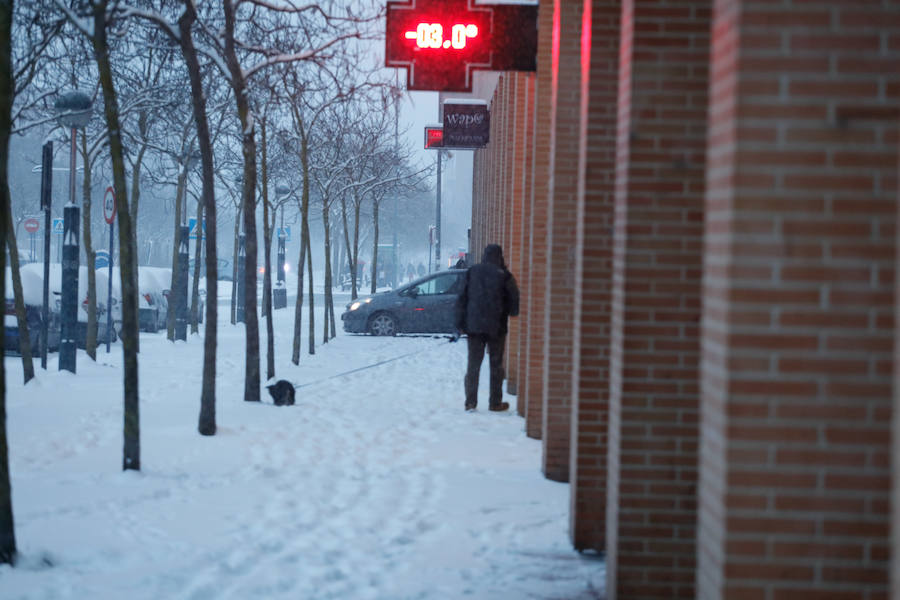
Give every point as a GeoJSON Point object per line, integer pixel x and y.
{"type": "Point", "coordinates": [32, 291]}
{"type": "Point", "coordinates": [425, 305]}
{"type": "Point", "coordinates": [152, 303]}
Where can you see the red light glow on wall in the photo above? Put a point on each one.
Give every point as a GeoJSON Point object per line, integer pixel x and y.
{"type": "Point", "coordinates": [431, 35]}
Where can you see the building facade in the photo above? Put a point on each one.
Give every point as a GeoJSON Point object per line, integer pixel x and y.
{"type": "Point", "coordinates": [698, 199]}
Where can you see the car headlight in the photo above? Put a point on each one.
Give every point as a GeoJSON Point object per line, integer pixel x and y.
{"type": "Point", "coordinates": [359, 303]}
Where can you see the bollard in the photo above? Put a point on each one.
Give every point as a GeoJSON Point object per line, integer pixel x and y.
{"type": "Point", "coordinates": [69, 300]}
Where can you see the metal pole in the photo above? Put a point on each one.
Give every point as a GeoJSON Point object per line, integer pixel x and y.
{"type": "Point", "coordinates": [109, 291]}
{"type": "Point", "coordinates": [437, 217]}
{"type": "Point", "coordinates": [396, 195]}
{"type": "Point", "coordinates": [46, 199]}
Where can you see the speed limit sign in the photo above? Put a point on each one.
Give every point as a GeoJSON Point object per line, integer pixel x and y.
{"type": "Point", "coordinates": [109, 206]}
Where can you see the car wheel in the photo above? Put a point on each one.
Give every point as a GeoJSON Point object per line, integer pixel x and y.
{"type": "Point", "coordinates": [383, 324]}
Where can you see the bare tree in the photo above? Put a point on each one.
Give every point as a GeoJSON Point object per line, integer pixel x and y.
{"type": "Point", "coordinates": [94, 23]}
{"type": "Point", "coordinates": [7, 85]}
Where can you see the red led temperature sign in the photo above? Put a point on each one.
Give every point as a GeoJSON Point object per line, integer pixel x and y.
{"type": "Point", "coordinates": [441, 42]}
{"type": "Point", "coordinates": [434, 137]}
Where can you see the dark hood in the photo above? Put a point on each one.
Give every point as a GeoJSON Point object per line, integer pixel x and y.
{"type": "Point", "coordinates": [493, 254]}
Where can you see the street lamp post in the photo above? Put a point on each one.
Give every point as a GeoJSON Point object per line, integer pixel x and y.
{"type": "Point", "coordinates": [46, 194]}
{"type": "Point", "coordinates": [279, 293]}
{"type": "Point", "coordinates": [73, 111]}
{"type": "Point", "coordinates": [437, 216]}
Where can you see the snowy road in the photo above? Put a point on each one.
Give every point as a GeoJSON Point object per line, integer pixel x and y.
{"type": "Point", "coordinates": [375, 485]}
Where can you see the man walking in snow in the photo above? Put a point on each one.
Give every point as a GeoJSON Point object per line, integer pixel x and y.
{"type": "Point", "coordinates": [489, 297]}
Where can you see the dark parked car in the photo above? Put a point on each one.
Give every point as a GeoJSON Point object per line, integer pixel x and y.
{"type": "Point", "coordinates": [33, 318]}
{"type": "Point", "coordinates": [425, 305]}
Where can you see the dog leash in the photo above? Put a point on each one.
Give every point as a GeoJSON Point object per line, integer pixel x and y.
{"type": "Point", "coordinates": [358, 369]}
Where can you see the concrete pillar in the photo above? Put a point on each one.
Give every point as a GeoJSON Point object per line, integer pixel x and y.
{"type": "Point", "coordinates": [594, 265]}
{"type": "Point", "coordinates": [654, 401]}
{"type": "Point", "coordinates": [798, 328]}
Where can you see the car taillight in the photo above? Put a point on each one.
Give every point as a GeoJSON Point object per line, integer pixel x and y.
{"type": "Point", "coordinates": [149, 299]}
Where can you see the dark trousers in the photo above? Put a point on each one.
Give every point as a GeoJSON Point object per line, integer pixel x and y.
{"type": "Point", "coordinates": [495, 346]}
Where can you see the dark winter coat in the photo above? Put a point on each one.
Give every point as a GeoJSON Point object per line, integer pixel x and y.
{"type": "Point", "coordinates": [489, 296]}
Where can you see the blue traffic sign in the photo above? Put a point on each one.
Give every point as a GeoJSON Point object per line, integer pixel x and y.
{"type": "Point", "coordinates": [58, 226]}
{"type": "Point", "coordinates": [284, 232]}
{"type": "Point", "coordinates": [192, 224]}
{"type": "Point", "coordinates": [101, 261]}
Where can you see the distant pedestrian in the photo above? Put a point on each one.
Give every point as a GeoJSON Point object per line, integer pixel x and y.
{"type": "Point", "coordinates": [489, 297]}
{"type": "Point", "coordinates": [421, 270]}
{"type": "Point", "coordinates": [410, 272]}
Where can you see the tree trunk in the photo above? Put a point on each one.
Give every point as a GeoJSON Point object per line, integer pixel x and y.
{"type": "Point", "coordinates": [267, 249]}
{"type": "Point", "coordinates": [298, 304]}
{"type": "Point", "coordinates": [19, 296]}
{"type": "Point", "coordinates": [234, 262]}
{"type": "Point", "coordinates": [248, 146]}
{"type": "Point", "coordinates": [7, 87]}
{"type": "Point", "coordinates": [207, 420]}
{"type": "Point", "coordinates": [304, 248]}
{"type": "Point", "coordinates": [195, 277]}
{"type": "Point", "coordinates": [375, 249]}
{"type": "Point", "coordinates": [176, 241]}
{"type": "Point", "coordinates": [312, 301]}
{"type": "Point", "coordinates": [328, 301]}
{"type": "Point", "coordinates": [128, 260]}
{"type": "Point", "coordinates": [355, 249]}
{"type": "Point", "coordinates": [90, 338]}
{"type": "Point", "coordinates": [351, 264]}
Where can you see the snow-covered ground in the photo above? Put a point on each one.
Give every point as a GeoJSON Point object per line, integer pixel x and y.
{"type": "Point", "coordinates": [375, 485]}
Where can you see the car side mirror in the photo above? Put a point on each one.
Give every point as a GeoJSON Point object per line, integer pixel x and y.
{"type": "Point", "coordinates": [413, 292]}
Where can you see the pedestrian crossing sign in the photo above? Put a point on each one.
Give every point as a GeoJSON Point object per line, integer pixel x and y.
{"type": "Point", "coordinates": [58, 226]}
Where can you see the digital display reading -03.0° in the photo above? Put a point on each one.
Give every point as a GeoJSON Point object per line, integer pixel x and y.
{"type": "Point", "coordinates": [431, 35]}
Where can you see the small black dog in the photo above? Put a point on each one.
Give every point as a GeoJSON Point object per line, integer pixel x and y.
{"type": "Point", "coordinates": [282, 392]}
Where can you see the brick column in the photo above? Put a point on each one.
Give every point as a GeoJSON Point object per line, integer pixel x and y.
{"type": "Point", "coordinates": [537, 283]}
{"type": "Point", "coordinates": [799, 301]}
{"type": "Point", "coordinates": [594, 265]}
{"type": "Point", "coordinates": [562, 223]}
{"type": "Point", "coordinates": [524, 274]}
{"type": "Point", "coordinates": [517, 200]}
{"type": "Point", "coordinates": [654, 361]}
{"type": "Point", "coordinates": [895, 518]}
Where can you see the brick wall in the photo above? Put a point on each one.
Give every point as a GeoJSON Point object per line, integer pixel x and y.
{"type": "Point", "coordinates": [538, 277]}
{"type": "Point", "coordinates": [799, 300]}
{"type": "Point", "coordinates": [562, 225]}
{"type": "Point", "coordinates": [658, 257]}
{"type": "Point", "coordinates": [593, 282]}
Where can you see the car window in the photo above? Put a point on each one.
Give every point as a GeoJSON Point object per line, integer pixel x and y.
{"type": "Point", "coordinates": [442, 284]}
